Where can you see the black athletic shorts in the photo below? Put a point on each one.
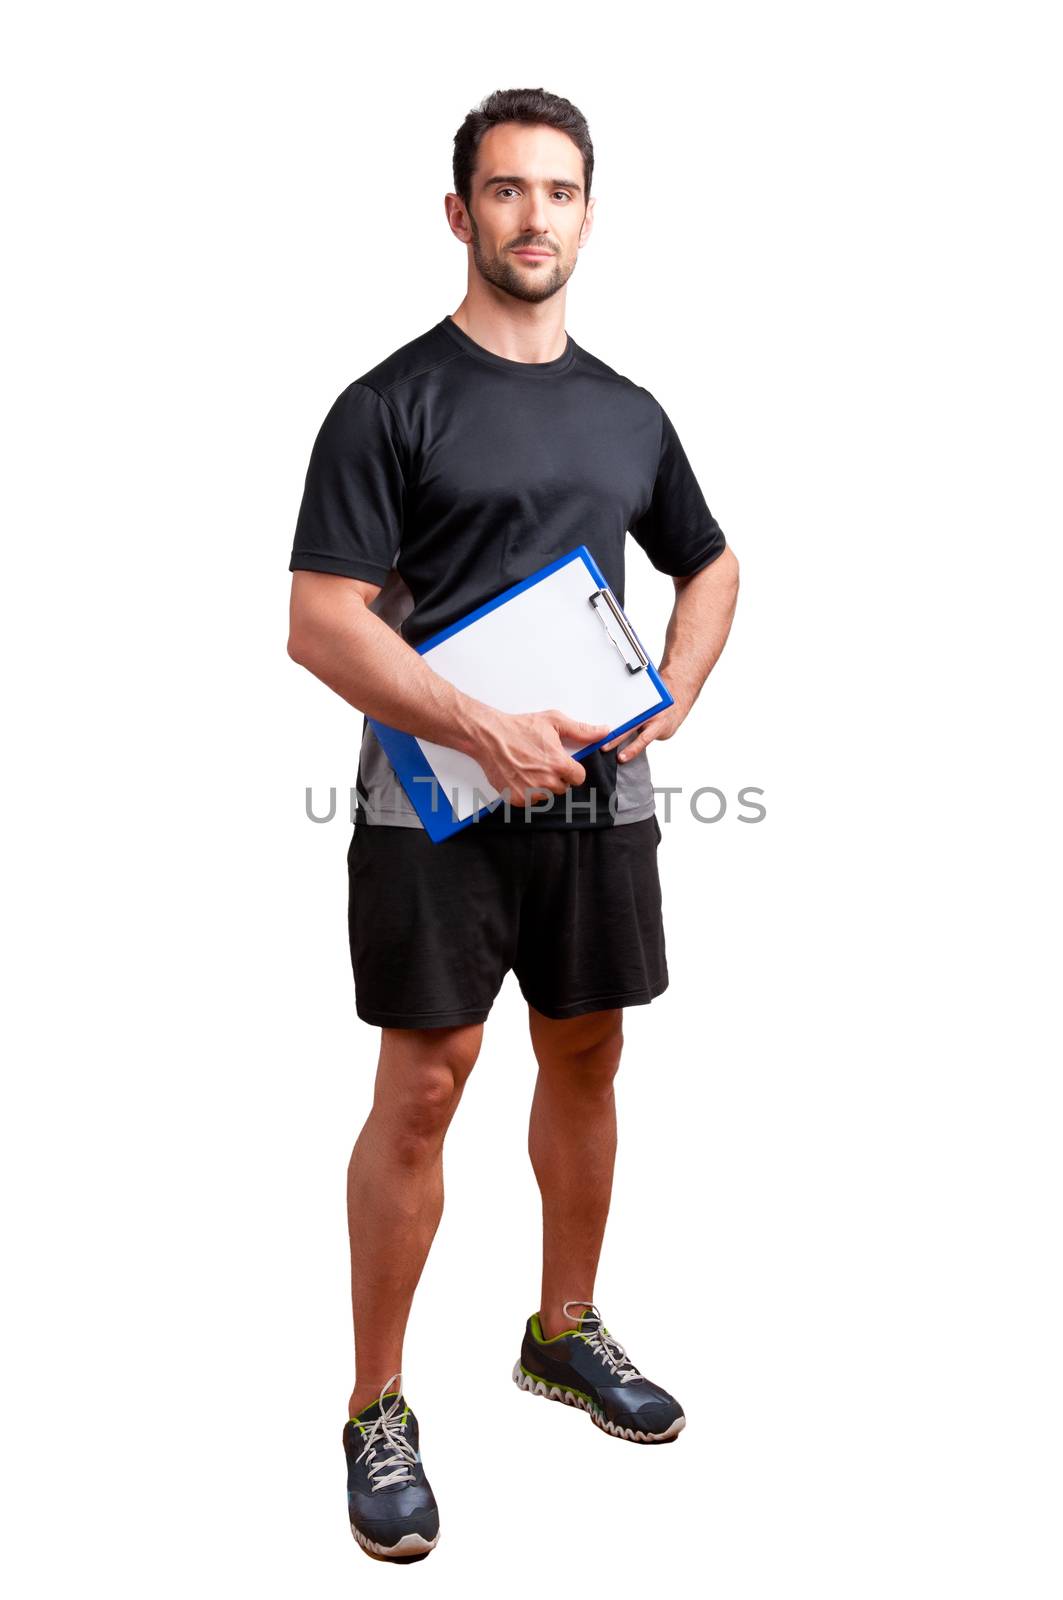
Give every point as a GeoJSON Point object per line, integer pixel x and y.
{"type": "Point", "coordinates": [434, 928]}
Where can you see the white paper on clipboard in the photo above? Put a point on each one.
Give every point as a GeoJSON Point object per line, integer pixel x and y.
{"type": "Point", "coordinates": [548, 647]}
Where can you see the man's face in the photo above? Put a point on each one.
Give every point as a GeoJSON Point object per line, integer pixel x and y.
{"type": "Point", "coordinates": [527, 194]}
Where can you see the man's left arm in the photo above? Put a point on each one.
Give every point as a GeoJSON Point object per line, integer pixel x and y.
{"type": "Point", "coordinates": [697, 632]}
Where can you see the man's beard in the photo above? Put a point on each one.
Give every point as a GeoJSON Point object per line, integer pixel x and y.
{"type": "Point", "coordinates": [506, 275]}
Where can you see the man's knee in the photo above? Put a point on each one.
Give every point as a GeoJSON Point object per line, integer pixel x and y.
{"type": "Point", "coordinates": [426, 1074]}
{"type": "Point", "coordinates": [587, 1048]}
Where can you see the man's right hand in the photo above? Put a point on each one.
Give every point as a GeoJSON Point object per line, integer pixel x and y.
{"type": "Point", "coordinates": [523, 753]}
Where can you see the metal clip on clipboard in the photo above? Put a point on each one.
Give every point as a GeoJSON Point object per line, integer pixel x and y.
{"type": "Point", "coordinates": [604, 603]}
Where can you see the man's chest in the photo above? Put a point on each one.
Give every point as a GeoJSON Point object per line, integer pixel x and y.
{"type": "Point", "coordinates": [544, 453]}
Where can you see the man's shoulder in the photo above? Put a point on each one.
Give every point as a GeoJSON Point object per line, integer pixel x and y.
{"type": "Point", "coordinates": [434, 349]}
{"type": "Point", "coordinates": [593, 366]}
{"type": "Point", "coordinates": [419, 356]}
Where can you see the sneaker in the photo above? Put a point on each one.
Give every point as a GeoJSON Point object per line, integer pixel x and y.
{"type": "Point", "coordinates": [586, 1367]}
{"type": "Point", "coordinates": [389, 1500]}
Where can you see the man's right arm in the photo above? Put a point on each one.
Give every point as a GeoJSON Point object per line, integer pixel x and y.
{"type": "Point", "coordinates": [334, 634]}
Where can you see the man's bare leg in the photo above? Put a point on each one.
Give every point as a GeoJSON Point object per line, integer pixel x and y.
{"type": "Point", "coordinates": [395, 1188]}
{"type": "Point", "coordinates": [572, 1144]}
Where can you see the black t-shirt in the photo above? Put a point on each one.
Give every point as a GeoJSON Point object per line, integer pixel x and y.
{"type": "Point", "coordinates": [448, 473]}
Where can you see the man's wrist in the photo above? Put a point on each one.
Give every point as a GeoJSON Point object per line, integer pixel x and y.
{"type": "Point", "coordinates": [477, 723]}
{"type": "Point", "coordinates": [683, 690]}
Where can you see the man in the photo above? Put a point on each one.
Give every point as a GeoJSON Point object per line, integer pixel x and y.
{"type": "Point", "coordinates": [464, 462]}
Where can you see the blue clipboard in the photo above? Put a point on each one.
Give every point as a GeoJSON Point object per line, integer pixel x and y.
{"type": "Point", "coordinates": [428, 796]}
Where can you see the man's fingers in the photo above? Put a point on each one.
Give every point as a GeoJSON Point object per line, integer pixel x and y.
{"type": "Point", "coordinates": [637, 745]}
{"type": "Point", "coordinates": [585, 732]}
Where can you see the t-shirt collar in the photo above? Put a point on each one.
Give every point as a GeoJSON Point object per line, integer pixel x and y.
{"type": "Point", "coordinates": [532, 369]}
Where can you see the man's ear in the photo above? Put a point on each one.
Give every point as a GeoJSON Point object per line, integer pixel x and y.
{"type": "Point", "coordinates": [585, 230]}
{"type": "Point", "coordinates": [457, 217]}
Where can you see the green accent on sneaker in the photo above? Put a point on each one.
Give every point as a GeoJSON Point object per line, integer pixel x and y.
{"type": "Point", "coordinates": [552, 1383]}
{"type": "Point", "coordinates": [566, 1333]}
{"type": "Point", "coordinates": [389, 1395]}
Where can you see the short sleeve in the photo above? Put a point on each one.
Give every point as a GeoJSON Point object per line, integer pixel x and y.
{"type": "Point", "coordinates": [677, 530]}
{"type": "Point", "coordinates": [351, 515]}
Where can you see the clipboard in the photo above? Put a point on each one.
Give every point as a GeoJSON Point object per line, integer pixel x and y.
{"type": "Point", "coordinates": [557, 638]}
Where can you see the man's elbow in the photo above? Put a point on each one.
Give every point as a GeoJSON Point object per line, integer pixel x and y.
{"type": "Point", "coordinates": [298, 645]}
{"type": "Point", "coordinates": [307, 628]}
{"type": "Point", "coordinates": [308, 638]}
{"type": "Point", "coordinates": [725, 573]}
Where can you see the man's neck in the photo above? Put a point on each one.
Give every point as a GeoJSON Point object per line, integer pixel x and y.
{"type": "Point", "coordinates": [530, 333]}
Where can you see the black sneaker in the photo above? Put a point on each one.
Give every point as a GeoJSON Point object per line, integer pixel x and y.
{"type": "Point", "coordinates": [586, 1367]}
{"type": "Point", "coordinates": [389, 1500]}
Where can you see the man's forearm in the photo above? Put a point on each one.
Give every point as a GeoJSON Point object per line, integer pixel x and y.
{"type": "Point", "coordinates": [365, 661]}
{"type": "Point", "coordinates": [698, 627]}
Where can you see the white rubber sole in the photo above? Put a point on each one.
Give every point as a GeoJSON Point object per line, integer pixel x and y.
{"type": "Point", "coordinates": [552, 1391]}
{"type": "Point", "coordinates": [411, 1547]}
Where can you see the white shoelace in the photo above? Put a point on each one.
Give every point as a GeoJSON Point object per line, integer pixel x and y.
{"type": "Point", "coordinates": [398, 1453]}
{"type": "Point", "coordinates": [604, 1345]}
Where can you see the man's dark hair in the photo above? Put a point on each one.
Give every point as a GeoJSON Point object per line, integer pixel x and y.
{"type": "Point", "coordinates": [519, 105]}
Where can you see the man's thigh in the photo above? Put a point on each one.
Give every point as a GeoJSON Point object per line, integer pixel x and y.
{"type": "Point", "coordinates": [578, 1051]}
{"type": "Point", "coordinates": [592, 929]}
{"type": "Point", "coordinates": [433, 927]}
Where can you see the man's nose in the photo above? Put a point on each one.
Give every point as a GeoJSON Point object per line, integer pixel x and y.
{"type": "Point", "coordinates": [534, 219]}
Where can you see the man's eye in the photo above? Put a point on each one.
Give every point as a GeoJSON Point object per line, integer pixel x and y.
{"type": "Point", "coordinates": [562, 192]}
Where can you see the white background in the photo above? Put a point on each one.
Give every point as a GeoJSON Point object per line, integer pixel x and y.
{"type": "Point", "coordinates": [826, 240]}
